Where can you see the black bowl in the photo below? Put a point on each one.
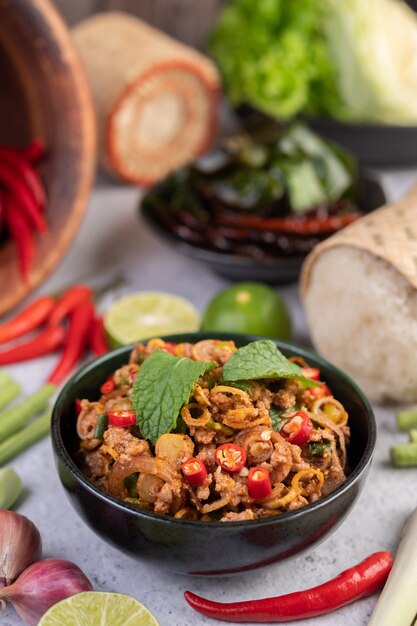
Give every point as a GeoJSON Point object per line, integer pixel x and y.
{"type": "Point", "coordinates": [274, 271]}
{"type": "Point", "coordinates": [374, 145]}
{"type": "Point", "coordinates": [200, 547]}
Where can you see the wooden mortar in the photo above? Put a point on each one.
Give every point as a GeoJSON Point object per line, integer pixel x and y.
{"type": "Point", "coordinates": [44, 95]}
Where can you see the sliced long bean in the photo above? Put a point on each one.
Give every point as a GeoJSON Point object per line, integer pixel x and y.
{"type": "Point", "coordinates": [21, 440]}
{"type": "Point", "coordinates": [8, 391]}
{"type": "Point", "coordinates": [12, 420]}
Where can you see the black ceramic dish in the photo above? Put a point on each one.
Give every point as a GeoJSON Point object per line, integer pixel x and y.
{"type": "Point", "coordinates": [374, 145]}
{"type": "Point", "coordinates": [199, 547]}
{"type": "Point", "coordinates": [273, 271]}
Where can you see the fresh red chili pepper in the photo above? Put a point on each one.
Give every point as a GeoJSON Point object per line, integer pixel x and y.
{"type": "Point", "coordinates": [122, 418]}
{"type": "Point", "coordinates": [26, 171]}
{"type": "Point", "coordinates": [22, 236]}
{"type": "Point", "coordinates": [230, 457]}
{"type": "Point", "coordinates": [76, 342]}
{"type": "Point", "coordinates": [78, 406]}
{"type": "Point", "coordinates": [297, 429]}
{"type": "Point", "coordinates": [259, 483]}
{"type": "Point", "coordinates": [107, 387]}
{"type": "Point", "coordinates": [354, 583]}
{"type": "Point", "coordinates": [98, 340]}
{"type": "Point", "coordinates": [194, 470]}
{"type": "Point", "coordinates": [30, 318]}
{"type": "Point", "coordinates": [319, 392]}
{"type": "Point", "coordinates": [24, 201]}
{"type": "Point", "coordinates": [45, 342]}
{"type": "Point", "coordinates": [311, 372]}
{"type": "Point", "coordinates": [68, 301]}
{"type": "Point", "coordinates": [293, 226]}
{"type": "Point", "coordinates": [169, 347]}
{"type": "Point", "coordinates": [34, 151]}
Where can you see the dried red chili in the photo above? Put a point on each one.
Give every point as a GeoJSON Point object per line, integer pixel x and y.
{"type": "Point", "coordinates": [230, 457]}
{"type": "Point", "coordinates": [194, 470]}
{"type": "Point", "coordinates": [356, 582]}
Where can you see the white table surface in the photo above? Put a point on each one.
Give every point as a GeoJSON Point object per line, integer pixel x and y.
{"type": "Point", "coordinates": [111, 240]}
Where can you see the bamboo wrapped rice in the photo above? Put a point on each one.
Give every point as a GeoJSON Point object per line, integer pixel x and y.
{"type": "Point", "coordinates": [155, 98]}
{"type": "Point", "coordinates": [359, 290]}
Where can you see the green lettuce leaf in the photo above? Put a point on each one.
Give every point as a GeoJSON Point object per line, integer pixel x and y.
{"type": "Point", "coordinates": [162, 385]}
{"type": "Point", "coordinates": [274, 56]}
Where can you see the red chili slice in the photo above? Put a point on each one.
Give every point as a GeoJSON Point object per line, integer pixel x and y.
{"type": "Point", "coordinates": [169, 347]}
{"type": "Point", "coordinates": [259, 483]}
{"type": "Point", "coordinates": [230, 457]}
{"type": "Point", "coordinates": [311, 372]}
{"type": "Point", "coordinates": [319, 392]}
{"type": "Point", "coordinates": [194, 471]}
{"type": "Point", "coordinates": [107, 387]}
{"type": "Point", "coordinates": [297, 429]}
{"type": "Point", "coordinates": [122, 418]}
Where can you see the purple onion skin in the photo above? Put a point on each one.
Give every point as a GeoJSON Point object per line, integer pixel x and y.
{"type": "Point", "coordinates": [42, 585]}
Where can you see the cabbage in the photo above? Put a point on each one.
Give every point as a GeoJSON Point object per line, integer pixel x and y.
{"type": "Point", "coordinates": [350, 59]}
{"type": "Point", "coordinates": [373, 44]}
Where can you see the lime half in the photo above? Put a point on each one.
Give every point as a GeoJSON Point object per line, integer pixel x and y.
{"type": "Point", "coordinates": [149, 314]}
{"type": "Point", "coordinates": [10, 487]}
{"type": "Point", "coordinates": [95, 608]}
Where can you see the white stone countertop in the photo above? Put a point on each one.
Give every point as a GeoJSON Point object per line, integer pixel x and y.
{"type": "Point", "coordinates": [111, 240]}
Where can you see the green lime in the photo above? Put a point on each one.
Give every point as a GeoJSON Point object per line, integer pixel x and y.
{"type": "Point", "coordinates": [248, 308]}
{"type": "Point", "coordinates": [10, 487]}
{"type": "Point", "coordinates": [96, 608]}
{"type": "Point", "coordinates": [149, 314]}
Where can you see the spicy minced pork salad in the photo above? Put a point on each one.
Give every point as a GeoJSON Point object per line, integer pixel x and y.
{"type": "Point", "coordinates": [210, 432]}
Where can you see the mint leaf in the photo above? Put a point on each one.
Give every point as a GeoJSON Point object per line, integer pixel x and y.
{"type": "Point", "coordinates": [277, 417]}
{"type": "Point", "coordinates": [162, 385]}
{"type": "Point", "coordinates": [262, 359]}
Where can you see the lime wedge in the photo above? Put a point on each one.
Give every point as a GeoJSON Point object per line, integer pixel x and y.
{"type": "Point", "coordinates": [10, 487]}
{"type": "Point", "coordinates": [96, 608]}
{"type": "Point", "coordinates": [149, 314]}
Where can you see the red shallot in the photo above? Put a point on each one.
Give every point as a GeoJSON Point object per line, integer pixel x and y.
{"type": "Point", "coordinates": [20, 545]}
{"type": "Point", "coordinates": [42, 585]}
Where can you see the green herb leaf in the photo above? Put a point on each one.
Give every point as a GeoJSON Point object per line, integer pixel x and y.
{"type": "Point", "coordinates": [318, 448]}
{"type": "Point", "coordinates": [262, 359]}
{"type": "Point", "coordinates": [162, 385]}
{"type": "Point", "coordinates": [243, 385]}
{"type": "Point", "coordinates": [277, 417]}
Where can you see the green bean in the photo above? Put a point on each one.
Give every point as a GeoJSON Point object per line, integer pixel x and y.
{"type": "Point", "coordinates": [101, 427]}
{"type": "Point", "coordinates": [10, 487]}
{"type": "Point", "coordinates": [404, 455]}
{"type": "Point", "coordinates": [24, 438]}
{"type": "Point", "coordinates": [407, 419]}
{"type": "Point", "coordinates": [12, 420]}
{"type": "Point", "coordinates": [8, 392]}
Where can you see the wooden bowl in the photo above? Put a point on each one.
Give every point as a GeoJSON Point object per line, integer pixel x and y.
{"type": "Point", "coordinates": [44, 94]}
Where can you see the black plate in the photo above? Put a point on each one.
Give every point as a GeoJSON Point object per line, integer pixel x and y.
{"type": "Point", "coordinates": [273, 271]}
